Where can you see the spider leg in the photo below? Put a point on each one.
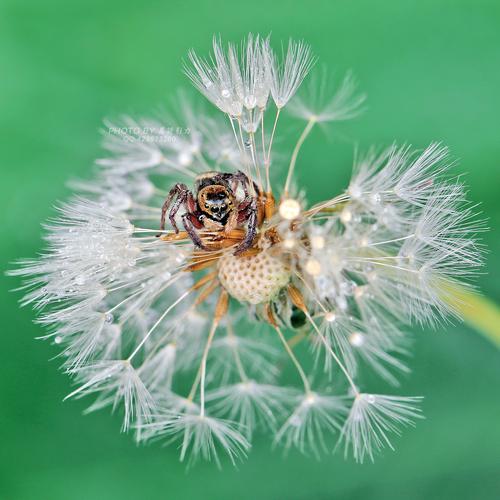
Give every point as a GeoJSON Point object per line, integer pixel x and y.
{"type": "Point", "coordinates": [247, 241]}
{"type": "Point", "coordinates": [245, 182]}
{"type": "Point", "coordinates": [180, 192]}
{"type": "Point", "coordinates": [232, 221]}
{"type": "Point", "coordinates": [189, 225]}
{"type": "Point", "coordinates": [242, 178]}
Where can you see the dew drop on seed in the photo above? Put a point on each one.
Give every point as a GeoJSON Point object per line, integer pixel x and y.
{"type": "Point", "coordinates": [80, 280]}
{"type": "Point", "coordinates": [108, 318]}
{"type": "Point", "coordinates": [330, 317]}
{"type": "Point", "coordinates": [250, 101]}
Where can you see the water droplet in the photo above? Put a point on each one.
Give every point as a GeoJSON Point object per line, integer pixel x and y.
{"type": "Point", "coordinates": [250, 101]}
{"type": "Point", "coordinates": [313, 267]}
{"type": "Point", "coordinates": [289, 209]}
{"type": "Point", "coordinates": [318, 242]}
{"type": "Point", "coordinates": [355, 192]}
{"type": "Point", "coordinates": [80, 280]}
{"type": "Point", "coordinates": [225, 93]}
{"type": "Point", "coordinates": [330, 317]}
{"type": "Point", "coordinates": [356, 339]}
{"type": "Point", "coordinates": [108, 318]}
{"type": "Point", "coordinates": [185, 158]}
{"type": "Point", "coordinates": [346, 216]}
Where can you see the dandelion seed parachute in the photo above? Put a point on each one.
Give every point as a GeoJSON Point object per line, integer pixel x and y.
{"type": "Point", "coordinates": [139, 317]}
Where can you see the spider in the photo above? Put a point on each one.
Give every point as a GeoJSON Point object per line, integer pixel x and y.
{"type": "Point", "coordinates": [215, 208]}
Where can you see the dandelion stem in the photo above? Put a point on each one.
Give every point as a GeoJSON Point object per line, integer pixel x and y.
{"type": "Point", "coordinates": [394, 240]}
{"type": "Point", "coordinates": [311, 291]}
{"type": "Point", "coordinates": [204, 366]}
{"type": "Point", "coordinates": [302, 138]}
{"type": "Point", "coordinates": [160, 319]}
{"type": "Point", "coordinates": [236, 354]}
{"type": "Point", "coordinates": [235, 135]}
{"type": "Point", "coordinates": [263, 140]}
{"type": "Point", "coordinates": [245, 156]}
{"type": "Point", "coordinates": [267, 161]}
{"type": "Point", "coordinates": [220, 311]}
{"type": "Point", "coordinates": [330, 205]}
{"type": "Point", "coordinates": [254, 160]}
{"type": "Point", "coordinates": [332, 353]}
{"type": "Point", "coordinates": [307, 386]}
{"type": "Point", "coordinates": [125, 300]}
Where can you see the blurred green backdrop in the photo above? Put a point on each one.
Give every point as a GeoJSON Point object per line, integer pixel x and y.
{"type": "Point", "coordinates": [431, 69]}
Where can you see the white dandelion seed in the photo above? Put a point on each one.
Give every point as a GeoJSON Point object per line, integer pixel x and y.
{"type": "Point", "coordinates": [287, 75]}
{"type": "Point", "coordinates": [178, 283]}
{"type": "Point", "coordinates": [202, 435]}
{"type": "Point", "coordinates": [373, 417]}
{"type": "Point", "coordinates": [314, 419]}
{"type": "Point", "coordinates": [253, 405]}
{"type": "Point", "coordinates": [324, 103]}
{"type": "Point", "coordinates": [115, 382]}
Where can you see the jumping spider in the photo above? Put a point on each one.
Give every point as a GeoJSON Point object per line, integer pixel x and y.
{"type": "Point", "coordinates": [215, 208]}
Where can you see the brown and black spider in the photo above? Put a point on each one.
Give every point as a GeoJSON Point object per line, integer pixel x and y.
{"type": "Point", "coordinates": [215, 208]}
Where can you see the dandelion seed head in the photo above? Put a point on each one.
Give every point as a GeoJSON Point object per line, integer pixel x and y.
{"type": "Point", "coordinates": [220, 306]}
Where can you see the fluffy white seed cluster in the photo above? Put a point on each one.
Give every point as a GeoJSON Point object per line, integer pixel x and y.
{"type": "Point", "coordinates": [347, 273]}
{"type": "Point", "coordinates": [240, 82]}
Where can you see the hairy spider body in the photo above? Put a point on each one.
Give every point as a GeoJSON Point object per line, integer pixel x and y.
{"type": "Point", "coordinates": [216, 210]}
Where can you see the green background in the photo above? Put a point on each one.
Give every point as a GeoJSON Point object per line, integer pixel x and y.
{"type": "Point", "coordinates": [432, 72]}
